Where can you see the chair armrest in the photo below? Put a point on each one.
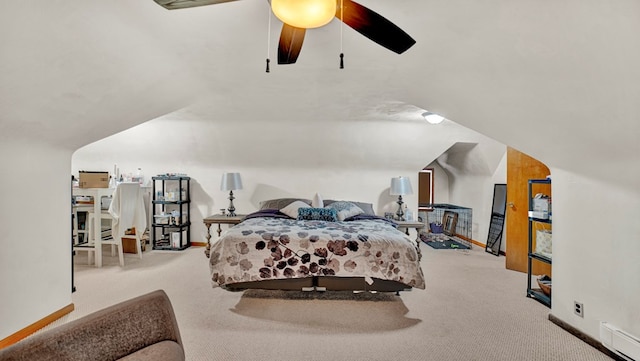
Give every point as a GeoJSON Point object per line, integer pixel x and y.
{"type": "Point", "coordinates": [107, 334]}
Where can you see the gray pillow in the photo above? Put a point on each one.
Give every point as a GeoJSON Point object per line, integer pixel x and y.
{"type": "Point", "coordinates": [279, 203]}
{"type": "Point", "coordinates": [345, 209]}
{"type": "Point", "coordinates": [367, 208]}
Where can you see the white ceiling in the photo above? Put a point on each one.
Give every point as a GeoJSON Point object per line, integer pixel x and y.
{"type": "Point", "coordinates": [556, 79]}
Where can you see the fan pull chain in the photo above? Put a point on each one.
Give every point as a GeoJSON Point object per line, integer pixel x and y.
{"type": "Point", "coordinates": [341, 32]}
{"type": "Point", "coordinates": [268, 40]}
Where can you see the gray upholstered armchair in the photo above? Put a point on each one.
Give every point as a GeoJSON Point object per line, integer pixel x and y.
{"type": "Point", "coordinates": [142, 328]}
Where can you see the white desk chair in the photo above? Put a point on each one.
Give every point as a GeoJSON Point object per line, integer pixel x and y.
{"type": "Point", "coordinates": [105, 229]}
{"type": "Point", "coordinates": [128, 211]}
{"type": "Point", "coordinates": [87, 245]}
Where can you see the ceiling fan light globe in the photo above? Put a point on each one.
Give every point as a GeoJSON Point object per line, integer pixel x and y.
{"type": "Point", "coordinates": [306, 14]}
{"type": "Point", "coordinates": [433, 118]}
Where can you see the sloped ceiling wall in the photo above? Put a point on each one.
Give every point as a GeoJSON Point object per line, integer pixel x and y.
{"type": "Point", "coordinates": [522, 72]}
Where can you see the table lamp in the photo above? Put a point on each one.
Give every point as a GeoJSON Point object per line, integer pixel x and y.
{"type": "Point", "coordinates": [231, 182]}
{"type": "Point", "coordinates": [399, 187]}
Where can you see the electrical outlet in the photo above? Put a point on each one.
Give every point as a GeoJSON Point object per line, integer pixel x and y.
{"type": "Point", "coordinates": [578, 308]}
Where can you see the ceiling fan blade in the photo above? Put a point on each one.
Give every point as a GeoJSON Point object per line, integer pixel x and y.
{"type": "Point", "coordinates": [375, 27]}
{"type": "Point", "coordinates": [291, 39]}
{"type": "Point", "coordinates": [182, 4]}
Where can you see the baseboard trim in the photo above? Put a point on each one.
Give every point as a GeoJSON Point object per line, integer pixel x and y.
{"type": "Point", "coordinates": [199, 244]}
{"type": "Point", "coordinates": [476, 242]}
{"type": "Point", "coordinates": [584, 337]}
{"type": "Point", "coordinates": [22, 334]}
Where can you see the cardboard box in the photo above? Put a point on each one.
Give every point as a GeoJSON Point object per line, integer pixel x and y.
{"type": "Point", "coordinates": [129, 245]}
{"type": "Point", "coordinates": [93, 179]}
{"type": "Point", "coordinates": [129, 241]}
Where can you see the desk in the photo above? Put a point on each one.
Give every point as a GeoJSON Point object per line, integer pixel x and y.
{"type": "Point", "coordinates": [418, 226]}
{"type": "Point", "coordinates": [220, 219]}
{"type": "Point", "coordinates": [97, 194]}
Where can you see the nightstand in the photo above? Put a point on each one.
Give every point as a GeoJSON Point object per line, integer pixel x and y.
{"type": "Point", "coordinates": [409, 224]}
{"type": "Point", "coordinates": [220, 219]}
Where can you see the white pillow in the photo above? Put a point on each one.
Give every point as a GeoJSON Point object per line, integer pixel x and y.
{"type": "Point", "coordinates": [317, 201]}
{"type": "Point", "coordinates": [292, 209]}
{"type": "Point", "coordinates": [345, 209]}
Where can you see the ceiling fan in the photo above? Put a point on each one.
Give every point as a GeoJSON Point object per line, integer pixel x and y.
{"type": "Point", "coordinates": [295, 13]}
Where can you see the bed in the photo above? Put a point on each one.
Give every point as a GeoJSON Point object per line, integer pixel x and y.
{"type": "Point", "coordinates": [290, 245]}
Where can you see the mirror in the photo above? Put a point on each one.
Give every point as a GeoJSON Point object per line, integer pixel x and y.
{"type": "Point", "coordinates": [496, 225]}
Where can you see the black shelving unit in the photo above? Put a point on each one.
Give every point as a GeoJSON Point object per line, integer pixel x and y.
{"type": "Point", "coordinates": [536, 293]}
{"type": "Point", "coordinates": [171, 224]}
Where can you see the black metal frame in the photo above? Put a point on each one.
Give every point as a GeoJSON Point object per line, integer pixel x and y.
{"type": "Point", "coordinates": [496, 225]}
{"type": "Point", "coordinates": [185, 223]}
{"type": "Point", "coordinates": [536, 293]}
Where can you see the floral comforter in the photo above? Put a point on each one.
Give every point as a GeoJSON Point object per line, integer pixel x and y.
{"type": "Point", "coordinates": [265, 248]}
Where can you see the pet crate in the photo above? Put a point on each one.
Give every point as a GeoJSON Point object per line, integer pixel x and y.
{"type": "Point", "coordinates": [449, 220]}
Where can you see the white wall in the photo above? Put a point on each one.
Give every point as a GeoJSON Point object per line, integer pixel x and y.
{"type": "Point", "coordinates": [352, 160]}
{"type": "Point", "coordinates": [35, 261]}
{"type": "Point", "coordinates": [596, 244]}
{"type": "Point", "coordinates": [473, 170]}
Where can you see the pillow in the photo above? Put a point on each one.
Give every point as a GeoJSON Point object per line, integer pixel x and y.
{"type": "Point", "coordinates": [292, 209]}
{"type": "Point", "coordinates": [317, 214]}
{"type": "Point", "coordinates": [367, 208]}
{"type": "Point", "coordinates": [345, 209]}
{"type": "Point", "coordinates": [317, 201]}
{"type": "Point", "coordinates": [279, 203]}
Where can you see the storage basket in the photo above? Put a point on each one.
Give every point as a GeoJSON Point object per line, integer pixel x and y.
{"type": "Point", "coordinates": [435, 227]}
{"type": "Point", "coordinates": [544, 282]}
{"type": "Point", "coordinates": [544, 242]}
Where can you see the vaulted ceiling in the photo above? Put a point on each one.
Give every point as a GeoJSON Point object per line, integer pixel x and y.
{"type": "Point", "coordinates": [557, 80]}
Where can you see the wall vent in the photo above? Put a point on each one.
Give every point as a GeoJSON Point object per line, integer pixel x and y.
{"type": "Point", "coordinates": [620, 342]}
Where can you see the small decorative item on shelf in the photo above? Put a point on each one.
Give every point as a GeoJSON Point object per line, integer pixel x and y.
{"type": "Point", "coordinates": [544, 282]}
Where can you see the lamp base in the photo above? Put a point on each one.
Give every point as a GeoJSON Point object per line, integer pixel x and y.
{"type": "Point", "coordinates": [231, 209]}
{"type": "Point", "coordinates": [400, 213]}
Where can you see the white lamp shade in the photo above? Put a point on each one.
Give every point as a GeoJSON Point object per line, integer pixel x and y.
{"type": "Point", "coordinates": [231, 182]}
{"type": "Point", "coordinates": [400, 186]}
{"type": "Point", "coordinates": [304, 14]}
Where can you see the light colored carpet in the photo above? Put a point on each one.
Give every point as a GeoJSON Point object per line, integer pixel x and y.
{"type": "Point", "coordinates": [472, 309]}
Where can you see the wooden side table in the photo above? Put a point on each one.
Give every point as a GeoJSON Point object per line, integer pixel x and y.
{"type": "Point", "coordinates": [219, 219]}
{"type": "Point", "coordinates": [418, 226]}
